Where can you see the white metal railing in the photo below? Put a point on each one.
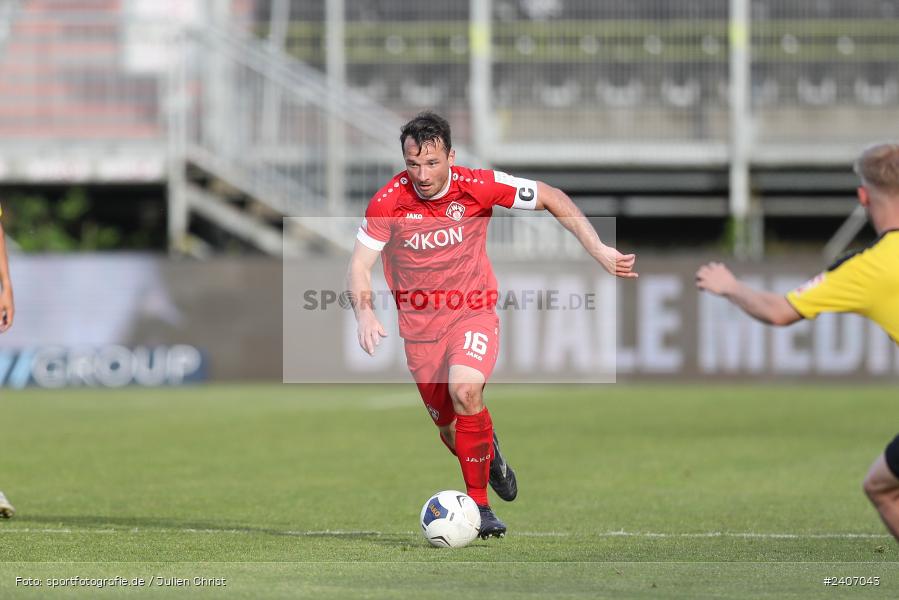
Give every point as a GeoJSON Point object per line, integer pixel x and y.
{"type": "Point", "coordinates": [264, 122]}
{"type": "Point", "coordinates": [580, 83]}
{"type": "Point", "coordinates": [278, 151]}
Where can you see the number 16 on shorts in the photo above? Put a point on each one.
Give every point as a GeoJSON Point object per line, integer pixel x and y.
{"type": "Point", "coordinates": [476, 342]}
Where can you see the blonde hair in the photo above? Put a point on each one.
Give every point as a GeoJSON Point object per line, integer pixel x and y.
{"type": "Point", "coordinates": [878, 167]}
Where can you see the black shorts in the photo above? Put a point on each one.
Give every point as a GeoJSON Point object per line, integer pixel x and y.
{"type": "Point", "coordinates": [891, 454]}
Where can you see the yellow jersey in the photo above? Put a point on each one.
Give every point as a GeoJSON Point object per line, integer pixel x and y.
{"type": "Point", "coordinates": [866, 283]}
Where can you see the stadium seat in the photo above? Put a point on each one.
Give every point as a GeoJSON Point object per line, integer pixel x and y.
{"type": "Point", "coordinates": [620, 96]}
{"type": "Point", "coordinates": [765, 92]}
{"type": "Point", "coordinates": [817, 93]}
{"type": "Point", "coordinates": [561, 95]}
{"type": "Point", "coordinates": [374, 89]}
{"type": "Point", "coordinates": [883, 93]}
{"type": "Point", "coordinates": [417, 93]}
{"type": "Point", "coordinates": [681, 94]}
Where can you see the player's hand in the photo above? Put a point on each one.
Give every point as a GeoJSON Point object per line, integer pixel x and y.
{"type": "Point", "coordinates": [7, 311]}
{"type": "Point", "coordinates": [369, 332]}
{"type": "Point", "coordinates": [616, 263]}
{"type": "Point", "coordinates": [715, 278]}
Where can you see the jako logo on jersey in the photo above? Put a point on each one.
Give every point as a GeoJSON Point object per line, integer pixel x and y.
{"type": "Point", "coordinates": [476, 459]}
{"type": "Point", "coordinates": [414, 216]}
{"type": "Point", "coordinates": [455, 211]}
{"type": "Point", "coordinates": [435, 239]}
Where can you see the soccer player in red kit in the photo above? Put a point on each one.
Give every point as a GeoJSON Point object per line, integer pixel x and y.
{"type": "Point", "coordinates": [429, 226]}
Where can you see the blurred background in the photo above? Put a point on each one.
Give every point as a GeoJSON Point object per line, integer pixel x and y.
{"type": "Point", "coordinates": [150, 151]}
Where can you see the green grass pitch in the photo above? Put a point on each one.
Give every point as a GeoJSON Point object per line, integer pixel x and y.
{"type": "Point", "coordinates": [314, 491]}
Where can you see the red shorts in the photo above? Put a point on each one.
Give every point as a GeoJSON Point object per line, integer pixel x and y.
{"type": "Point", "coordinates": [473, 341]}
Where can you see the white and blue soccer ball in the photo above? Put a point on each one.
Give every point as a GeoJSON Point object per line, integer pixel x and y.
{"type": "Point", "coordinates": [450, 519]}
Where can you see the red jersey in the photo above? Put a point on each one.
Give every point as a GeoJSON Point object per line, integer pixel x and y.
{"type": "Point", "coordinates": [434, 251]}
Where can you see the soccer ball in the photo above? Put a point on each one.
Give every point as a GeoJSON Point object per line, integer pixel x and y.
{"type": "Point", "coordinates": [450, 519]}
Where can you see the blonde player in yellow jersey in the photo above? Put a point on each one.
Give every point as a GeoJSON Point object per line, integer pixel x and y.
{"type": "Point", "coordinates": [866, 283]}
{"type": "Point", "coordinates": [7, 311]}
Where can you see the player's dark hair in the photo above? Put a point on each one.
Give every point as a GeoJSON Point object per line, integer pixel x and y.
{"type": "Point", "coordinates": [427, 127]}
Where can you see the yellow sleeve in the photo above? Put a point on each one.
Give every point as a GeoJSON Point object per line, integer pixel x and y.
{"type": "Point", "coordinates": [842, 289]}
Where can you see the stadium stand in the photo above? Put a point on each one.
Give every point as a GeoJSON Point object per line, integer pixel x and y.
{"type": "Point", "coordinates": [66, 78]}
{"type": "Point", "coordinates": [628, 89]}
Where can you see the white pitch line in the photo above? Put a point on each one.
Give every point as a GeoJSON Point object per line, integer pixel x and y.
{"type": "Point", "coordinates": [545, 534]}
{"type": "Point", "coordinates": [746, 534]}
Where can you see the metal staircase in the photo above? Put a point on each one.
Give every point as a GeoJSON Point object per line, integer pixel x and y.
{"type": "Point", "coordinates": [256, 136]}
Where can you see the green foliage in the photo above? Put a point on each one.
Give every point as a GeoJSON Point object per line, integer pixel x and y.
{"type": "Point", "coordinates": [40, 224]}
{"type": "Point", "coordinates": [728, 240]}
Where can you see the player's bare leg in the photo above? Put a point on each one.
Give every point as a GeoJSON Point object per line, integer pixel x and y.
{"type": "Point", "coordinates": [466, 386]}
{"type": "Point", "coordinates": [474, 441]}
{"type": "Point", "coordinates": [6, 509]}
{"type": "Point", "coordinates": [882, 488]}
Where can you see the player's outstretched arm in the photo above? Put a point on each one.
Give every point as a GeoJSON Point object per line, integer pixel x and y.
{"type": "Point", "coordinates": [7, 304]}
{"type": "Point", "coordinates": [570, 216]}
{"type": "Point", "coordinates": [767, 307]}
{"type": "Point", "coordinates": [369, 330]}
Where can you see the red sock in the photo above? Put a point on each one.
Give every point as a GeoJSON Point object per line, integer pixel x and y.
{"type": "Point", "coordinates": [446, 443]}
{"type": "Point", "coordinates": [474, 447]}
